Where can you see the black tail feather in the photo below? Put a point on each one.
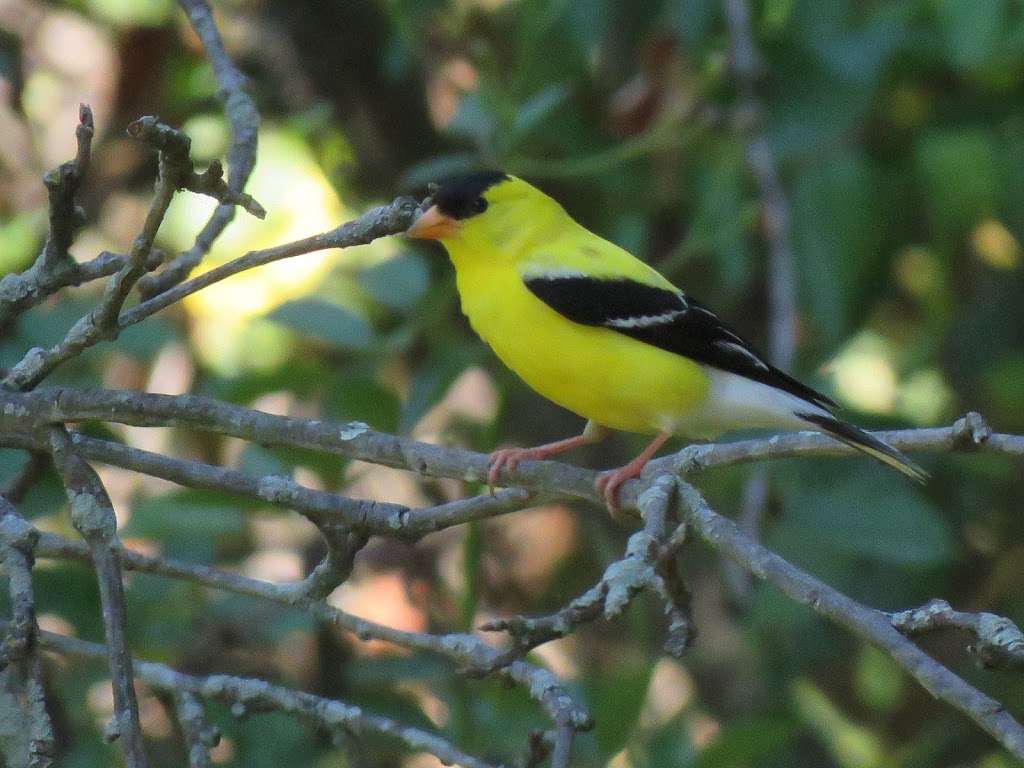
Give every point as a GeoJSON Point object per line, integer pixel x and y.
{"type": "Point", "coordinates": [869, 444]}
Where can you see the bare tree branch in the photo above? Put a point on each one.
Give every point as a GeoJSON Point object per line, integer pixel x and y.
{"type": "Point", "coordinates": [18, 656]}
{"type": "Point", "coordinates": [101, 322]}
{"type": "Point", "coordinates": [93, 517]}
{"type": "Point", "coordinates": [20, 291]}
{"type": "Point", "coordinates": [999, 642]}
{"type": "Point", "coordinates": [54, 267]}
{"type": "Point", "coordinates": [248, 694]}
{"type": "Point", "coordinates": [636, 571]}
{"type": "Point", "coordinates": [469, 651]}
{"type": "Point", "coordinates": [244, 119]}
{"type": "Point", "coordinates": [198, 735]}
{"type": "Point", "coordinates": [390, 219]}
{"type": "Point", "coordinates": [874, 626]}
{"type": "Point", "coordinates": [342, 547]}
{"type": "Point", "coordinates": [62, 185]}
{"type": "Point", "coordinates": [25, 412]}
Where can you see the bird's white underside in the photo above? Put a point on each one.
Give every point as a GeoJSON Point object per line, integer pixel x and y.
{"type": "Point", "coordinates": [735, 402]}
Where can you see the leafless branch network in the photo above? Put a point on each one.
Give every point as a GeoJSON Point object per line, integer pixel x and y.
{"type": "Point", "coordinates": [40, 420]}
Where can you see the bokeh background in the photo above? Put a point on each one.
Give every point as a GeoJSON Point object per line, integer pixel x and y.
{"type": "Point", "coordinates": [898, 128]}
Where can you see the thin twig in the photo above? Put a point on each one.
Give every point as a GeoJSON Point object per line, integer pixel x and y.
{"type": "Point", "coordinates": [469, 651]}
{"type": "Point", "coordinates": [999, 642]}
{"type": "Point", "coordinates": [639, 569]}
{"type": "Point", "coordinates": [101, 323]}
{"type": "Point", "coordinates": [54, 267]}
{"type": "Point", "coordinates": [93, 517]}
{"type": "Point", "coordinates": [342, 547]}
{"type": "Point", "coordinates": [390, 219]}
{"type": "Point", "coordinates": [199, 736]}
{"type": "Point", "coordinates": [323, 508]}
{"type": "Point", "coordinates": [247, 694]}
{"type": "Point", "coordinates": [244, 120]}
{"type": "Point", "coordinates": [62, 184]}
{"type": "Point", "coordinates": [20, 291]}
{"type": "Point", "coordinates": [874, 626]}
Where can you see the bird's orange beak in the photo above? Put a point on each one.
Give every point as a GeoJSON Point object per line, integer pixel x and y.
{"type": "Point", "coordinates": [433, 225]}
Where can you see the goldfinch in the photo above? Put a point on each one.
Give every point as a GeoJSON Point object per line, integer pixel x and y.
{"type": "Point", "coordinates": [597, 331]}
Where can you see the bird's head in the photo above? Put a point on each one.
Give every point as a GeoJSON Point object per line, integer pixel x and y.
{"type": "Point", "coordinates": [488, 211]}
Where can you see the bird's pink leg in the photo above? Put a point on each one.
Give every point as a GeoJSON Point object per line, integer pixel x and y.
{"type": "Point", "coordinates": [608, 483]}
{"type": "Point", "coordinates": [508, 458]}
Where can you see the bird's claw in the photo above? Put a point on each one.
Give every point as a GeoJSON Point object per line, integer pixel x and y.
{"type": "Point", "coordinates": [608, 483]}
{"type": "Point", "coordinates": [506, 459]}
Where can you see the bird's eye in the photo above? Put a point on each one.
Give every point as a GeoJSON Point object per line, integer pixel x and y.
{"type": "Point", "coordinates": [479, 205]}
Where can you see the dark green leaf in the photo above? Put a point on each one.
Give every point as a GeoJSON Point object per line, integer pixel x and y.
{"type": "Point", "coordinates": [617, 696]}
{"type": "Point", "coordinates": [397, 283]}
{"type": "Point", "coordinates": [536, 109]}
{"type": "Point", "coordinates": [870, 511]}
{"type": "Point", "coordinates": [326, 323]}
{"type": "Point", "coordinates": [836, 209]}
{"type": "Point", "coordinates": [432, 381]}
{"type": "Point", "coordinates": [747, 744]}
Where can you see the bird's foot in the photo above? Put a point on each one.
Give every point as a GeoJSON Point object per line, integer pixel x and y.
{"type": "Point", "coordinates": [608, 483]}
{"type": "Point", "coordinates": [508, 459]}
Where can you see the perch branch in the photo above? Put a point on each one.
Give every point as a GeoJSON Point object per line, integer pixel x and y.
{"type": "Point", "coordinates": [25, 412]}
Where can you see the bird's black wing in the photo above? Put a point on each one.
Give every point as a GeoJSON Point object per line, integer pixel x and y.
{"type": "Point", "coordinates": [665, 319]}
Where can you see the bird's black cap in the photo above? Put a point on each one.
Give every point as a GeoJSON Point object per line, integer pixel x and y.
{"type": "Point", "coordinates": [462, 196]}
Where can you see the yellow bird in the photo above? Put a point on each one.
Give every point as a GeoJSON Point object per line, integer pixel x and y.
{"type": "Point", "coordinates": [597, 331]}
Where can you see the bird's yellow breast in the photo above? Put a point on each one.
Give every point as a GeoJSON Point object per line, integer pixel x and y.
{"type": "Point", "coordinates": [595, 372]}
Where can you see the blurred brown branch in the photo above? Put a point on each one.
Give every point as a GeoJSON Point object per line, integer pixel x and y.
{"type": "Point", "coordinates": [748, 70]}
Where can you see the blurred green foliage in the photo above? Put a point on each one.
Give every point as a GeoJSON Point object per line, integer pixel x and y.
{"type": "Point", "coordinates": [898, 127]}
